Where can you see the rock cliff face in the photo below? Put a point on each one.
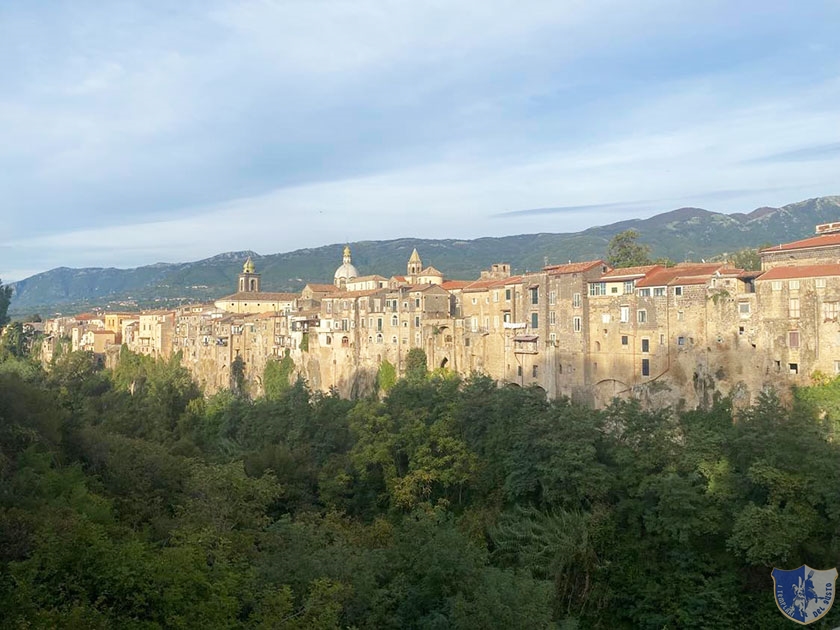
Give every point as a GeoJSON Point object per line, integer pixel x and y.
{"type": "Point", "coordinates": [685, 233]}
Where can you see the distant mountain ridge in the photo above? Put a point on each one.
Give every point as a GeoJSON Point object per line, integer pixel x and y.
{"type": "Point", "coordinates": [680, 234]}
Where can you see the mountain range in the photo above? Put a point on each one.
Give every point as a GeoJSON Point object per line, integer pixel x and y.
{"type": "Point", "coordinates": [682, 234]}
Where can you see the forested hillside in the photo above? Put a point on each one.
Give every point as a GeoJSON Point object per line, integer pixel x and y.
{"type": "Point", "coordinates": [683, 234]}
{"type": "Point", "coordinates": [128, 500]}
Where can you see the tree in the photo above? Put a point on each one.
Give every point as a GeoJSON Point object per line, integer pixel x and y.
{"type": "Point", "coordinates": [415, 364]}
{"type": "Point", "coordinates": [746, 259]}
{"type": "Point", "coordinates": [624, 251]}
{"type": "Point", "coordinates": [5, 300]}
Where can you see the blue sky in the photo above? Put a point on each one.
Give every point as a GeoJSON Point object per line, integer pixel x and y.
{"type": "Point", "coordinates": [138, 132]}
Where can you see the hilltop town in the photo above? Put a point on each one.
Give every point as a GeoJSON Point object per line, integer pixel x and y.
{"type": "Point", "coordinates": [583, 329]}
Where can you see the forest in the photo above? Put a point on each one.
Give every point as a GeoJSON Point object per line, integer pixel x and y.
{"type": "Point", "coordinates": [128, 499]}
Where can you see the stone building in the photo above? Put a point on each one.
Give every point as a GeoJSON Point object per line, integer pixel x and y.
{"type": "Point", "coordinates": [667, 335]}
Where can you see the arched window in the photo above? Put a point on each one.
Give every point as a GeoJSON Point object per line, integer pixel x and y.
{"type": "Point", "coordinates": [345, 342]}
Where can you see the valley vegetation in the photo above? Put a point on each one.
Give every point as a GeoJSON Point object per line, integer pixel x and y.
{"type": "Point", "coordinates": [129, 500]}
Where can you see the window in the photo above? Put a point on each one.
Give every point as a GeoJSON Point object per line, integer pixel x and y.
{"type": "Point", "coordinates": [628, 286]}
{"type": "Point", "coordinates": [597, 346]}
{"type": "Point", "coordinates": [793, 339]}
{"type": "Point", "coordinates": [535, 295]}
{"type": "Point", "coordinates": [794, 307]}
{"type": "Point", "coordinates": [474, 324]}
{"type": "Point", "coordinates": [831, 310]}
{"type": "Point", "coordinates": [552, 337]}
{"type": "Point", "coordinates": [576, 300]}
{"type": "Point", "coordinates": [625, 314]}
{"type": "Point", "coordinates": [740, 330]}
{"type": "Point", "coordinates": [329, 307]}
{"type": "Point", "coordinates": [744, 308]}
{"type": "Point", "coordinates": [552, 317]}
{"type": "Point", "coordinates": [329, 340]}
{"type": "Point", "coordinates": [641, 316]}
{"type": "Point", "coordinates": [475, 300]}
{"type": "Point", "coordinates": [794, 368]}
{"type": "Point", "coordinates": [534, 371]}
{"type": "Point", "coordinates": [680, 316]}
{"type": "Point", "coordinates": [598, 288]}
{"type": "Point", "coordinates": [819, 283]}
{"type": "Point", "coordinates": [576, 324]}
{"type": "Point", "coordinates": [624, 340]}
{"type": "Point", "coordinates": [645, 367]}
{"type": "Point", "coordinates": [643, 292]}
{"type": "Point", "coordinates": [793, 285]}
{"type": "Point", "coordinates": [661, 339]}
{"type": "Point", "coordinates": [535, 320]}
{"type": "Point", "coordinates": [495, 296]}
{"type": "Point", "coordinates": [678, 291]}
{"type": "Point", "coordinates": [416, 320]}
{"type": "Point", "coordinates": [394, 321]}
{"type": "Point", "coordinates": [506, 317]}
{"type": "Point", "coordinates": [614, 289]}
{"type": "Point", "coordinates": [777, 285]}
{"type": "Point", "coordinates": [519, 370]}
{"type": "Point", "coordinates": [507, 295]}
{"type": "Point", "coordinates": [680, 341]}
{"type": "Point", "coordinates": [378, 337]}
{"type": "Point", "coordinates": [416, 302]}
{"type": "Point", "coordinates": [552, 297]}
{"type": "Point", "coordinates": [645, 345]}
{"type": "Point", "coordinates": [658, 291]}
{"type": "Point", "coordinates": [394, 340]}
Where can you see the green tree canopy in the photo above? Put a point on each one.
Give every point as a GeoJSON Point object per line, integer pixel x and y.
{"type": "Point", "coordinates": [625, 251]}
{"type": "Point", "coordinates": [5, 300]}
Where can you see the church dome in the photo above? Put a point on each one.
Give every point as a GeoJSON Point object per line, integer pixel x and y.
{"type": "Point", "coordinates": [346, 271]}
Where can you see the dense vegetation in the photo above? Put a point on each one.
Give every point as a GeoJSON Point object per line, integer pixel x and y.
{"type": "Point", "coordinates": [127, 500]}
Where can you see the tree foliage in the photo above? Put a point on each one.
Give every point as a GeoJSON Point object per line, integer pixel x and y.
{"type": "Point", "coordinates": [5, 300]}
{"type": "Point", "coordinates": [624, 250]}
{"type": "Point", "coordinates": [127, 499]}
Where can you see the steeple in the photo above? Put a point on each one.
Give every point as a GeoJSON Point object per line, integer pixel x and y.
{"type": "Point", "coordinates": [415, 266]}
{"type": "Point", "coordinates": [249, 280]}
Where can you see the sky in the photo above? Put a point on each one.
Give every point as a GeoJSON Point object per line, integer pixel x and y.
{"type": "Point", "coordinates": [141, 132]}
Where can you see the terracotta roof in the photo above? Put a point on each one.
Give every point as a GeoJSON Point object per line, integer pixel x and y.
{"type": "Point", "coordinates": [577, 267]}
{"type": "Point", "coordinates": [103, 332]}
{"type": "Point", "coordinates": [804, 271]}
{"type": "Point", "coordinates": [823, 240]}
{"type": "Point", "coordinates": [431, 271]}
{"type": "Point", "coordinates": [629, 273]}
{"type": "Point", "coordinates": [685, 273]}
{"type": "Point", "coordinates": [365, 279]}
{"type": "Point", "coordinates": [480, 285]}
{"type": "Point", "coordinates": [451, 285]}
{"type": "Point", "coordinates": [399, 278]}
{"type": "Point", "coordinates": [321, 288]}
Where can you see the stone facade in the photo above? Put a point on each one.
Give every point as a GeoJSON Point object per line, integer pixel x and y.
{"type": "Point", "coordinates": [677, 335]}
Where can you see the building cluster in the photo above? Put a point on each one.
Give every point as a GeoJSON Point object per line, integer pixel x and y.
{"type": "Point", "coordinates": [581, 329]}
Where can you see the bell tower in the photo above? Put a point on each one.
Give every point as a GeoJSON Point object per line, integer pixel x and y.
{"type": "Point", "coordinates": [249, 280]}
{"type": "Point", "coordinates": [415, 266]}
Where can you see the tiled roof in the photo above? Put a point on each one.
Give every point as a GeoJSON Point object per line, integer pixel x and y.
{"type": "Point", "coordinates": [823, 240]}
{"type": "Point", "coordinates": [431, 271]}
{"type": "Point", "coordinates": [451, 285]}
{"type": "Point", "coordinates": [322, 288]}
{"type": "Point", "coordinates": [804, 271]}
{"type": "Point", "coordinates": [577, 267]}
{"type": "Point", "coordinates": [628, 273]}
{"type": "Point", "coordinates": [685, 273]}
